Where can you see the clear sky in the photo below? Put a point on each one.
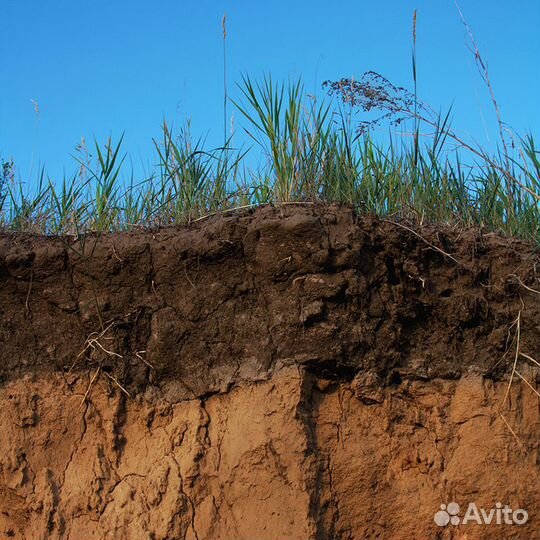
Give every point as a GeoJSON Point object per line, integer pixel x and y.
{"type": "Point", "coordinates": [100, 68]}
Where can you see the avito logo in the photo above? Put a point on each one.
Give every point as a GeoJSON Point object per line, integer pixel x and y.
{"type": "Point", "coordinates": [500, 515]}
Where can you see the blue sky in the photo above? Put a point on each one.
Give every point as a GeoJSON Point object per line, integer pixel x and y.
{"type": "Point", "coordinates": [104, 67]}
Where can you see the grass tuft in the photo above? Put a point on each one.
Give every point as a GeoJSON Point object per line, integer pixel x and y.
{"type": "Point", "coordinates": [309, 150]}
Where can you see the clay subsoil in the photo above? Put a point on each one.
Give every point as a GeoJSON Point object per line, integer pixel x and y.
{"type": "Point", "coordinates": [284, 373]}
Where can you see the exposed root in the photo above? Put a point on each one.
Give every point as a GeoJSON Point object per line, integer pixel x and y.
{"type": "Point", "coordinates": [27, 300]}
{"type": "Point", "coordinates": [530, 358]}
{"type": "Point", "coordinates": [517, 323]}
{"type": "Point", "coordinates": [116, 254]}
{"type": "Point", "coordinates": [93, 342]}
{"type": "Point", "coordinates": [517, 355]}
{"type": "Point", "coordinates": [144, 360]}
{"type": "Point", "coordinates": [513, 433]}
{"type": "Point", "coordinates": [432, 246]}
{"type": "Point", "coordinates": [528, 383]}
{"type": "Point", "coordinates": [89, 389]}
{"type": "Point", "coordinates": [523, 284]}
{"type": "Point", "coordinates": [117, 383]}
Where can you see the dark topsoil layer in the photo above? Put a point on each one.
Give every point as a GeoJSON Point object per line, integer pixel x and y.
{"type": "Point", "coordinates": [234, 297]}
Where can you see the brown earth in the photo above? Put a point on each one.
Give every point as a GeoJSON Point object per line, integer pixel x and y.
{"type": "Point", "coordinates": [284, 373]}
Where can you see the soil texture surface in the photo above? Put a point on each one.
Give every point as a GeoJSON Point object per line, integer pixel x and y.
{"type": "Point", "coordinates": [283, 373]}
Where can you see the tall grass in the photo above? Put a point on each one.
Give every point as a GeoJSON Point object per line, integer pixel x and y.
{"type": "Point", "coordinates": [308, 150]}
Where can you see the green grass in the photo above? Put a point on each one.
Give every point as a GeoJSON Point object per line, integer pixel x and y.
{"type": "Point", "coordinates": [309, 151]}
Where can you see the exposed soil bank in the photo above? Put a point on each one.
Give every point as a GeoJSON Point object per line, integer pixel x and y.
{"type": "Point", "coordinates": [288, 458]}
{"type": "Point", "coordinates": [292, 373]}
